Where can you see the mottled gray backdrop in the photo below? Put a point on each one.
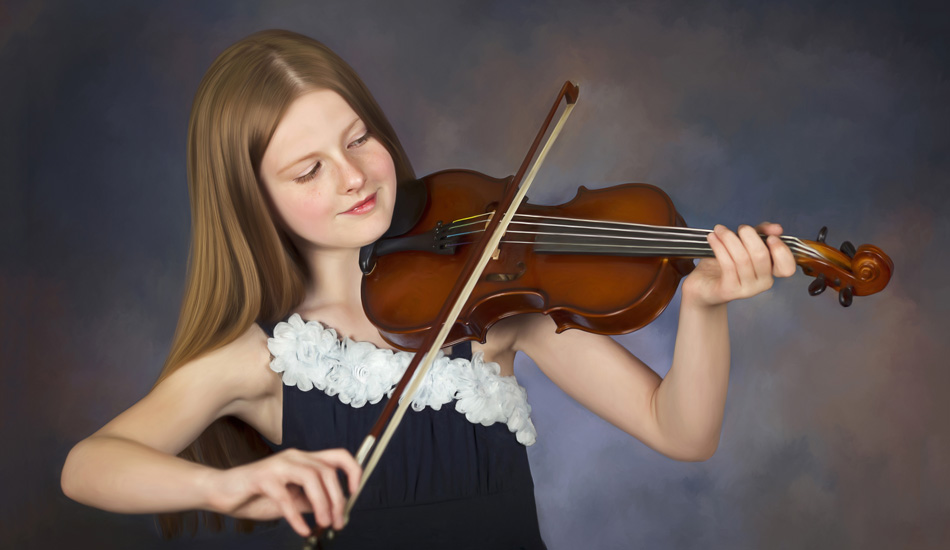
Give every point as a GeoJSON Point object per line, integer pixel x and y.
{"type": "Point", "coordinates": [836, 432]}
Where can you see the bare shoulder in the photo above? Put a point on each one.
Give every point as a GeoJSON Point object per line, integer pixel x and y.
{"type": "Point", "coordinates": [241, 366]}
{"type": "Point", "coordinates": [182, 405]}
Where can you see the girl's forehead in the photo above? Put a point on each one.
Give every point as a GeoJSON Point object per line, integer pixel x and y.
{"type": "Point", "coordinates": [314, 122]}
{"type": "Point", "coordinates": [316, 110]}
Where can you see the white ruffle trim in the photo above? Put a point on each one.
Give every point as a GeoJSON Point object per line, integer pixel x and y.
{"type": "Point", "coordinates": [309, 355]}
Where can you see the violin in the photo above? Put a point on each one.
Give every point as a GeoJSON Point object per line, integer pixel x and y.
{"type": "Point", "coordinates": [463, 252]}
{"type": "Point", "coordinates": [608, 261]}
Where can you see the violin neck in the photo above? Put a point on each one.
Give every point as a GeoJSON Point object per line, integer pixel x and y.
{"type": "Point", "coordinates": [634, 240]}
{"type": "Point", "coordinates": [554, 235]}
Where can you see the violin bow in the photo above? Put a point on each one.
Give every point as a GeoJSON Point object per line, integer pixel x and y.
{"type": "Point", "coordinates": [375, 444]}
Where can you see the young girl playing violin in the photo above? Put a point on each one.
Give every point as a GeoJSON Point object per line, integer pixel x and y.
{"type": "Point", "coordinates": [275, 373]}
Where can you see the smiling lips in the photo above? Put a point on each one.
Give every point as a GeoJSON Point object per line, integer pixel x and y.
{"type": "Point", "coordinates": [363, 206]}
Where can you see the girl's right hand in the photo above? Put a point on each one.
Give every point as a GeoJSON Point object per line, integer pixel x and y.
{"type": "Point", "coordinates": [288, 484]}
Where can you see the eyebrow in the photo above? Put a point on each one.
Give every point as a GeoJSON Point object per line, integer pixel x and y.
{"type": "Point", "coordinates": [286, 168]}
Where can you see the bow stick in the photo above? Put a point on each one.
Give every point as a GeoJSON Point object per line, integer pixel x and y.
{"type": "Point", "coordinates": [392, 414]}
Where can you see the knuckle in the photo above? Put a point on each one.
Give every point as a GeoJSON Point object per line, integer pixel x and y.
{"type": "Point", "coordinates": [308, 477]}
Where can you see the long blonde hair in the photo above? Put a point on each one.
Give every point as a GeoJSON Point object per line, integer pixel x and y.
{"type": "Point", "coordinates": [242, 266]}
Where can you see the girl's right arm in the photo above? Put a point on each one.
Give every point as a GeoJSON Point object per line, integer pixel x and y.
{"type": "Point", "coordinates": [130, 466]}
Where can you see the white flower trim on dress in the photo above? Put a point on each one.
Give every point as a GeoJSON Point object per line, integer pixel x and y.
{"type": "Point", "coordinates": [309, 355]}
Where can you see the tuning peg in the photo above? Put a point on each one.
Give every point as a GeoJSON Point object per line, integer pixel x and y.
{"type": "Point", "coordinates": [818, 285]}
{"type": "Point", "coordinates": [845, 296]}
{"type": "Point", "coordinates": [822, 233]}
{"type": "Point", "coordinates": [848, 249]}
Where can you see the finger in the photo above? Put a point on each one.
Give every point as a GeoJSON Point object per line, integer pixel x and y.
{"type": "Point", "coordinates": [769, 228]}
{"type": "Point", "coordinates": [331, 484]}
{"type": "Point", "coordinates": [759, 255]}
{"type": "Point", "coordinates": [727, 268]}
{"type": "Point", "coordinates": [300, 501]}
{"type": "Point", "coordinates": [739, 254]}
{"type": "Point", "coordinates": [783, 261]}
{"type": "Point", "coordinates": [341, 458]}
{"type": "Point", "coordinates": [308, 477]}
{"type": "Point", "coordinates": [281, 496]}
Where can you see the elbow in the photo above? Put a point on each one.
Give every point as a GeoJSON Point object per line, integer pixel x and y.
{"type": "Point", "coordinates": [702, 454]}
{"type": "Point", "coordinates": [706, 451]}
{"type": "Point", "coordinates": [696, 451]}
{"type": "Point", "coordinates": [71, 477]}
{"type": "Point", "coordinates": [67, 477]}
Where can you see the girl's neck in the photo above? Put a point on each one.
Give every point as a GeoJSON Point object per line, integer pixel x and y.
{"type": "Point", "coordinates": [333, 294]}
{"type": "Point", "coordinates": [335, 278]}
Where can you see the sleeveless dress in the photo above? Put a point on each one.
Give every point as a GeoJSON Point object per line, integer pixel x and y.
{"type": "Point", "coordinates": [455, 474]}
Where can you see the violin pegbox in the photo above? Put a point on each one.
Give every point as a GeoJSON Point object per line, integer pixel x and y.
{"type": "Point", "coordinates": [852, 272]}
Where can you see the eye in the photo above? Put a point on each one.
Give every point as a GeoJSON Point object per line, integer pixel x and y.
{"type": "Point", "coordinates": [361, 140]}
{"type": "Point", "coordinates": [309, 175]}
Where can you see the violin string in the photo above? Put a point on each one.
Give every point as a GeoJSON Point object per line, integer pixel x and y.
{"type": "Point", "coordinates": [797, 248]}
{"type": "Point", "coordinates": [675, 235]}
{"type": "Point", "coordinates": [701, 250]}
{"type": "Point", "coordinates": [604, 225]}
{"type": "Point", "coordinates": [631, 250]}
{"type": "Point", "coordinates": [592, 224]}
{"type": "Point", "coordinates": [656, 247]}
{"type": "Point", "coordinates": [685, 252]}
{"type": "Point", "coordinates": [607, 225]}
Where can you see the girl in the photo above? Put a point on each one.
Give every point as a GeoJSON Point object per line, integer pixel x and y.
{"type": "Point", "coordinates": [292, 167]}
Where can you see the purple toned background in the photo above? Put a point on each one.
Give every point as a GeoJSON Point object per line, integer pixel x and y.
{"type": "Point", "coordinates": [836, 432]}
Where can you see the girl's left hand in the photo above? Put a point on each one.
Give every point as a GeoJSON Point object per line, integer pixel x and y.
{"type": "Point", "coordinates": [743, 267]}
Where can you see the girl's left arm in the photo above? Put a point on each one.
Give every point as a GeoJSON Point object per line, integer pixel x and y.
{"type": "Point", "coordinates": [681, 415]}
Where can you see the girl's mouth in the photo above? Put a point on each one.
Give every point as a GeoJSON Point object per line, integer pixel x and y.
{"type": "Point", "coordinates": [363, 206]}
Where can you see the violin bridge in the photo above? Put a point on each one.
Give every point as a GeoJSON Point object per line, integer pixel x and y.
{"type": "Point", "coordinates": [507, 277]}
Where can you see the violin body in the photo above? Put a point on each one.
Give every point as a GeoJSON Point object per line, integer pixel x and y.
{"type": "Point", "coordinates": [608, 261]}
{"type": "Point", "coordinates": [605, 293]}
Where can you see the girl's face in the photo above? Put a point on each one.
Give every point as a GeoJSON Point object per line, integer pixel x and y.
{"type": "Point", "coordinates": [332, 184]}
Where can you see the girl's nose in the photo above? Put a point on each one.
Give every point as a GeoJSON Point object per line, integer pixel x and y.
{"type": "Point", "coordinates": [353, 176]}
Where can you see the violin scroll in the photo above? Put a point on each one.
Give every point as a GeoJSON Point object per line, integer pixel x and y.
{"type": "Point", "coordinates": [852, 272]}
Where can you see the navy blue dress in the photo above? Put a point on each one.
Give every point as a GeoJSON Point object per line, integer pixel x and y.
{"type": "Point", "coordinates": [442, 483]}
